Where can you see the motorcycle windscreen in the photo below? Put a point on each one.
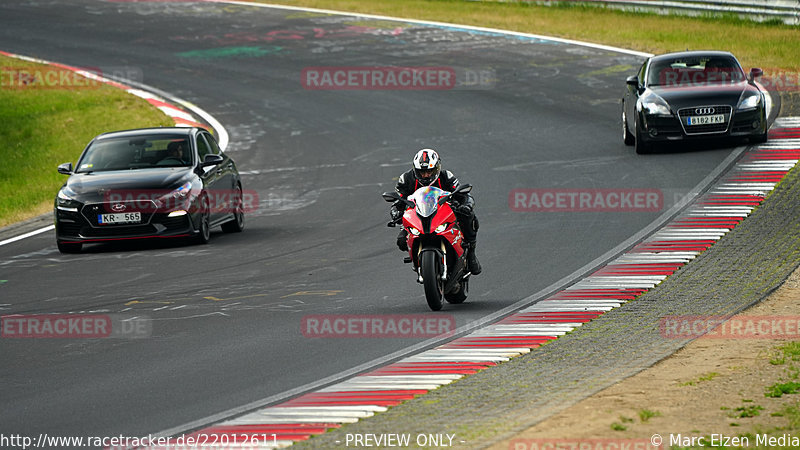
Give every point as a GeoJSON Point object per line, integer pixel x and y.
{"type": "Point", "coordinates": [426, 200]}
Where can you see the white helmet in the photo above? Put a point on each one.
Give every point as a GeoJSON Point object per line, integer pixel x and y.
{"type": "Point", "coordinates": [427, 166]}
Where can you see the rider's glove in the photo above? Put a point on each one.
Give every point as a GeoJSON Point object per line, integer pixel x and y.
{"type": "Point", "coordinates": [395, 214]}
{"type": "Point", "coordinates": [463, 210]}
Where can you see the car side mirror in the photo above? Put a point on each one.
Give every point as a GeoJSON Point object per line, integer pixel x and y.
{"type": "Point", "coordinates": [632, 81]}
{"type": "Point", "coordinates": [65, 168]}
{"type": "Point", "coordinates": [212, 160]}
{"type": "Point", "coordinates": [755, 72]}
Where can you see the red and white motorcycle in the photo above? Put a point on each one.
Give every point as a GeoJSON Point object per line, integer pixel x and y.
{"type": "Point", "coordinates": [435, 243]}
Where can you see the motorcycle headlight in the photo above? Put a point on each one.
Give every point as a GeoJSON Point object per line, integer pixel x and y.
{"type": "Point", "coordinates": [414, 231]}
{"type": "Point", "coordinates": [749, 101]}
{"type": "Point", "coordinates": [441, 227]}
{"type": "Point", "coordinates": [656, 106]}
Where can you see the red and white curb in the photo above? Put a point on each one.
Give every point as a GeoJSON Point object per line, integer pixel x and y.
{"type": "Point", "coordinates": [629, 275]}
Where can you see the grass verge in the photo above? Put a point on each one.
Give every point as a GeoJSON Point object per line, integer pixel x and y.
{"type": "Point", "coordinates": [43, 126]}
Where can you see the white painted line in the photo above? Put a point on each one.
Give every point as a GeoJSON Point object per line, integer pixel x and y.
{"type": "Point", "coordinates": [541, 308]}
{"type": "Point", "coordinates": [344, 409]}
{"type": "Point", "coordinates": [439, 377]}
{"type": "Point", "coordinates": [380, 387]}
{"type": "Point", "coordinates": [465, 358]}
{"type": "Point", "coordinates": [174, 112]}
{"type": "Point", "coordinates": [280, 419]}
{"type": "Point", "coordinates": [27, 235]}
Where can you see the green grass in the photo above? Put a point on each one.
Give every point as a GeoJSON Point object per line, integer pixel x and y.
{"type": "Point", "coordinates": [43, 127]}
{"type": "Point", "coordinates": [646, 414]}
{"type": "Point", "coordinates": [765, 45]}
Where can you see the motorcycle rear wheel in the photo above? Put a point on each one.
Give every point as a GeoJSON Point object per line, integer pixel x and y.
{"type": "Point", "coordinates": [432, 280]}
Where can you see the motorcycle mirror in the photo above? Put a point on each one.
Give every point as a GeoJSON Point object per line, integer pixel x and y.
{"type": "Point", "coordinates": [391, 196]}
{"type": "Point", "coordinates": [464, 189]}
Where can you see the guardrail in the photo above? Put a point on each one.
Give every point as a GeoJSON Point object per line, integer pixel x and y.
{"type": "Point", "coordinates": [787, 11]}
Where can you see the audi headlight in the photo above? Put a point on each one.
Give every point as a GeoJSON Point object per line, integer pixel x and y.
{"type": "Point", "coordinates": [655, 106]}
{"type": "Point", "coordinates": [414, 231]}
{"type": "Point", "coordinates": [749, 101]}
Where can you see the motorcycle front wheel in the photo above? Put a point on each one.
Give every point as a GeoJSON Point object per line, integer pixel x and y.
{"type": "Point", "coordinates": [432, 280]}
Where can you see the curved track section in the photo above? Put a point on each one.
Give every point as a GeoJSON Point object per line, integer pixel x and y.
{"type": "Point", "coordinates": [227, 319]}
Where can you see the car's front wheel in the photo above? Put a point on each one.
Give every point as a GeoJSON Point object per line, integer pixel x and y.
{"type": "Point", "coordinates": [640, 145]}
{"type": "Point", "coordinates": [204, 227]}
{"type": "Point", "coordinates": [627, 136]}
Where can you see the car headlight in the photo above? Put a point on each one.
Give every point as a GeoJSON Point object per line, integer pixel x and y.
{"type": "Point", "coordinates": [65, 200]}
{"type": "Point", "coordinates": [656, 106]}
{"type": "Point", "coordinates": [750, 101]}
{"type": "Point", "coordinates": [414, 231]}
{"type": "Point", "coordinates": [176, 197]}
{"type": "Point", "coordinates": [441, 227]}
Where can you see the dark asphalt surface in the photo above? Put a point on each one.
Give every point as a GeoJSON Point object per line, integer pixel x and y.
{"type": "Point", "coordinates": [227, 316]}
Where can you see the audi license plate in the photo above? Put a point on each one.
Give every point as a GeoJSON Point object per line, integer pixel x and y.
{"type": "Point", "coordinates": [111, 219]}
{"type": "Point", "coordinates": [705, 120]}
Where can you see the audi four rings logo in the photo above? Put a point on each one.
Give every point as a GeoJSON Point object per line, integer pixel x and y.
{"type": "Point", "coordinates": [117, 207]}
{"type": "Point", "coordinates": [703, 111]}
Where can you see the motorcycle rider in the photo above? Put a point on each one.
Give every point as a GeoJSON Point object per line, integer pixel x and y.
{"type": "Point", "coordinates": [427, 171]}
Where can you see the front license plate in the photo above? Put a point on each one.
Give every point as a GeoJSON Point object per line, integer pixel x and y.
{"type": "Point", "coordinates": [111, 219]}
{"type": "Point", "coordinates": [705, 120]}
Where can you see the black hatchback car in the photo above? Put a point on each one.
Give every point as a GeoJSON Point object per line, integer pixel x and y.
{"type": "Point", "coordinates": [692, 95]}
{"type": "Point", "coordinates": [148, 183]}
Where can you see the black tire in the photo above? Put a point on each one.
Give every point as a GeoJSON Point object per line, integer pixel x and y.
{"type": "Point", "coordinates": [760, 139]}
{"type": "Point", "coordinates": [237, 224]}
{"type": "Point", "coordinates": [627, 136]}
{"type": "Point", "coordinates": [432, 280]}
{"type": "Point", "coordinates": [459, 296]}
{"type": "Point", "coordinates": [71, 247]}
{"type": "Point", "coordinates": [204, 227]}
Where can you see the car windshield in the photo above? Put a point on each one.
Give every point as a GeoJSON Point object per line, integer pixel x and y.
{"type": "Point", "coordinates": [426, 198]}
{"type": "Point", "coordinates": [694, 71]}
{"type": "Point", "coordinates": [140, 152]}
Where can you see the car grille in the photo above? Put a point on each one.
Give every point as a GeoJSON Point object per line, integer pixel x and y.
{"type": "Point", "coordinates": [119, 230]}
{"type": "Point", "coordinates": [705, 129]}
{"type": "Point", "coordinates": [90, 211]}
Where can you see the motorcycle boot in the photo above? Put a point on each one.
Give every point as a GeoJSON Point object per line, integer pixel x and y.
{"type": "Point", "coordinates": [472, 259]}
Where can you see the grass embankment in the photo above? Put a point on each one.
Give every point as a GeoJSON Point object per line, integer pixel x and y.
{"type": "Point", "coordinates": [45, 124]}
{"type": "Point", "coordinates": [766, 45]}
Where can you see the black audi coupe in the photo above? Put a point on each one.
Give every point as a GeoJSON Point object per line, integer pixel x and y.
{"type": "Point", "coordinates": [148, 183]}
{"type": "Point", "coordinates": [692, 95]}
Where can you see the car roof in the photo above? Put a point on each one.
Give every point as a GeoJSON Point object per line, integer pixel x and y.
{"type": "Point", "coordinates": [691, 54]}
{"type": "Point", "coordinates": [149, 132]}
